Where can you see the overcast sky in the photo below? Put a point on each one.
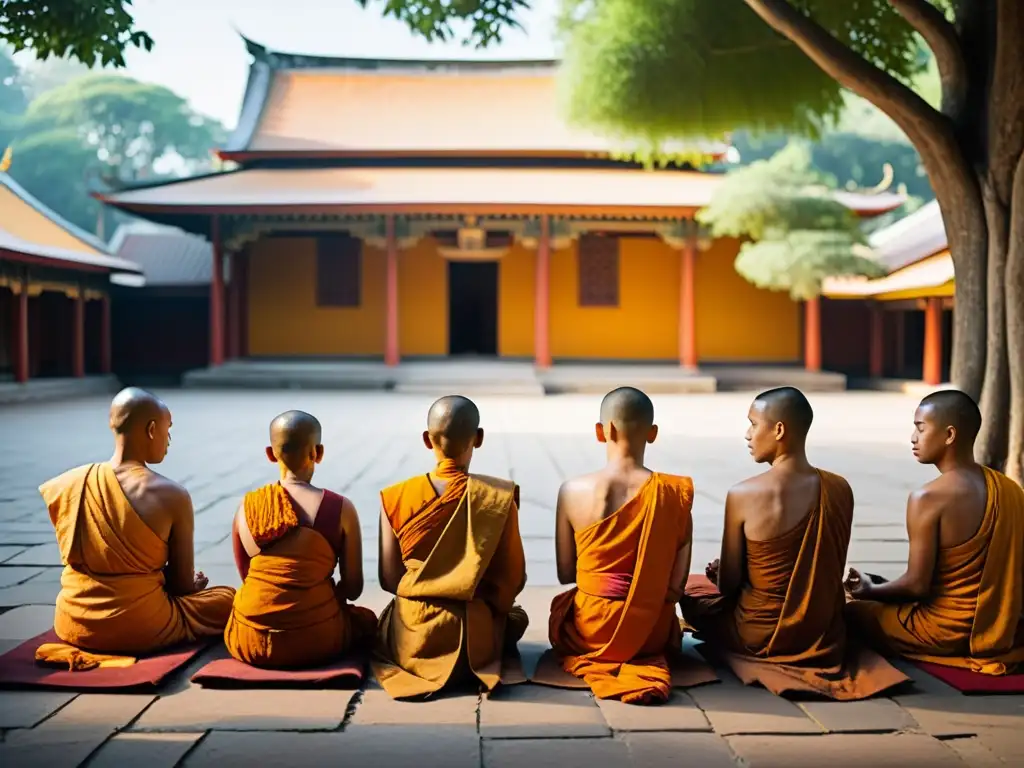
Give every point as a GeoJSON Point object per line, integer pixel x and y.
{"type": "Point", "coordinates": [198, 52]}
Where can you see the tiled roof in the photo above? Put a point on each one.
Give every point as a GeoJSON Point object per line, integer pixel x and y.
{"type": "Point", "coordinates": [166, 255]}
{"type": "Point", "coordinates": [912, 238]}
{"type": "Point", "coordinates": [29, 228]}
{"type": "Point", "coordinates": [931, 272]}
{"type": "Point", "coordinates": [301, 104]}
{"type": "Point", "coordinates": [622, 191]}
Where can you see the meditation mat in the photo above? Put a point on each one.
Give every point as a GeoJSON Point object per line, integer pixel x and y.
{"type": "Point", "coordinates": [346, 672]}
{"type": "Point", "coordinates": [687, 671]}
{"type": "Point", "coordinates": [18, 668]}
{"type": "Point", "coordinates": [972, 683]}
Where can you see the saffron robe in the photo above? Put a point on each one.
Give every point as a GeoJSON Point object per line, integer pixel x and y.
{"type": "Point", "coordinates": [454, 612]}
{"type": "Point", "coordinates": [113, 597]}
{"type": "Point", "coordinates": [288, 613]}
{"type": "Point", "coordinates": [972, 617]}
{"type": "Point", "coordinates": [785, 628]}
{"type": "Point", "coordinates": [617, 626]}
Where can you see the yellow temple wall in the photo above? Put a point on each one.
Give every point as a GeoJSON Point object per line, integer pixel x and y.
{"type": "Point", "coordinates": [644, 326]}
{"type": "Point", "coordinates": [283, 316]}
{"type": "Point", "coordinates": [738, 322]}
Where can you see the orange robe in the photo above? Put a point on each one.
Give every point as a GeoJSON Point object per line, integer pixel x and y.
{"type": "Point", "coordinates": [785, 628]}
{"type": "Point", "coordinates": [454, 612]}
{"type": "Point", "coordinates": [288, 613]}
{"type": "Point", "coordinates": [112, 596]}
{"type": "Point", "coordinates": [615, 628]}
{"type": "Point", "coordinates": [972, 617]}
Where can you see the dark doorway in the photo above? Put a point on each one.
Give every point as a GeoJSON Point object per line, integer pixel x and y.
{"type": "Point", "coordinates": [473, 308]}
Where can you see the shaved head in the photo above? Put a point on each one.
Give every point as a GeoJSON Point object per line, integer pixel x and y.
{"type": "Point", "coordinates": [452, 423]}
{"type": "Point", "coordinates": [293, 434]}
{"type": "Point", "coordinates": [629, 409]}
{"type": "Point", "coordinates": [132, 408]}
{"type": "Point", "coordinates": [789, 406]}
{"type": "Point", "coordinates": [953, 408]}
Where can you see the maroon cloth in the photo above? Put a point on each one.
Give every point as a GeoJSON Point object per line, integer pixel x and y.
{"type": "Point", "coordinates": [327, 523]}
{"type": "Point", "coordinates": [968, 682]}
{"type": "Point", "coordinates": [346, 672]}
{"type": "Point", "coordinates": [18, 668]}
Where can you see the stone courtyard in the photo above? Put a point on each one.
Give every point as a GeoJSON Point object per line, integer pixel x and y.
{"type": "Point", "coordinates": [373, 440]}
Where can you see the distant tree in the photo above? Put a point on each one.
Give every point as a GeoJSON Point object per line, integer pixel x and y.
{"type": "Point", "coordinates": [131, 126]}
{"type": "Point", "coordinates": [796, 233]}
{"type": "Point", "coordinates": [12, 99]}
{"type": "Point", "coordinates": [92, 31]}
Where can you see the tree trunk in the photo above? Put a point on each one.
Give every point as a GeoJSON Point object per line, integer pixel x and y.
{"type": "Point", "coordinates": [1015, 326]}
{"type": "Point", "coordinates": [990, 449]}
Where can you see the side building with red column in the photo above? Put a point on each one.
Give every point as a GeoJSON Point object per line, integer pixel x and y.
{"type": "Point", "coordinates": [55, 293]}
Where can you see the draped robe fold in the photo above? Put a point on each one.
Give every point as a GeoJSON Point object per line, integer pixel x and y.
{"type": "Point", "coordinates": [288, 613]}
{"type": "Point", "coordinates": [785, 628]}
{"type": "Point", "coordinates": [454, 611]}
{"type": "Point", "coordinates": [617, 628]}
{"type": "Point", "coordinates": [113, 596]}
{"type": "Point", "coordinates": [972, 617]}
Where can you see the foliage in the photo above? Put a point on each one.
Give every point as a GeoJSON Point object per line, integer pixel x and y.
{"type": "Point", "coordinates": [438, 19]}
{"type": "Point", "coordinates": [12, 99]}
{"type": "Point", "coordinates": [798, 234]}
{"type": "Point", "coordinates": [92, 31]}
{"type": "Point", "coordinates": [130, 126]}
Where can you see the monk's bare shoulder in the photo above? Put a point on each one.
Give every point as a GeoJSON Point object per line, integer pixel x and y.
{"type": "Point", "coordinates": [169, 494]}
{"type": "Point", "coordinates": [576, 496]}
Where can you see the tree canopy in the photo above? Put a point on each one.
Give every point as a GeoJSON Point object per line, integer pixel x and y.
{"type": "Point", "coordinates": [797, 233]}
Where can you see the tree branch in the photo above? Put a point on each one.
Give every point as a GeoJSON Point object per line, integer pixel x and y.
{"type": "Point", "coordinates": [941, 36]}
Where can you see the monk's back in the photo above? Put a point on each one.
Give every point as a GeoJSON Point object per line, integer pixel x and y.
{"type": "Point", "coordinates": [777, 501]}
{"type": "Point", "coordinates": [154, 498]}
{"type": "Point", "coordinates": [597, 496]}
{"type": "Point", "coordinates": [961, 497]}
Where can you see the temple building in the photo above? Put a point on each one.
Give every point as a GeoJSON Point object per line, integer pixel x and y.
{"type": "Point", "coordinates": [908, 313]}
{"type": "Point", "coordinates": [414, 210]}
{"type": "Point", "coordinates": [55, 289]}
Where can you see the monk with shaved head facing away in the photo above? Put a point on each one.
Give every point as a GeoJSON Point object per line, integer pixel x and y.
{"type": "Point", "coordinates": [623, 537]}
{"type": "Point", "coordinates": [126, 540]}
{"type": "Point", "coordinates": [451, 553]}
{"type": "Point", "coordinates": [288, 537]}
{"type": "Point", "coordinates": [959, 603]}
{"type": "Point", "coordinates": [776, 617]}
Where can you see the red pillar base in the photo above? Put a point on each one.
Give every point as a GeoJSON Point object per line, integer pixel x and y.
{"type": "Point", "coordinates": [932, 363]}
{"type": "Point", "coordinates": [391, 348]}
{"type": "Point", "coordinates": [541, 308]}
{"type": "Point", "coordinates": [21, 335]}
{"type": "Point", "coordinates": [78, 360]}
{"type": "Point", "coordinates": [812, 335]}
{"type": "Point", "coordinates": [687, 307]}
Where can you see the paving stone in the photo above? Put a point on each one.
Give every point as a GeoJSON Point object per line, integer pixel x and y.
{"type": "Point", "coordinates": [7, 552]}
{"type": "Point", "coordinates": [973, 751]}
{"type": "Point", "coordinates": [11, 575]}
{"type": "Point", "coordinates": [153, 750]}
{"type": "Point", "coordinates": [200, 709]}
{"type": "Point", "coordinates": [1006, 743]}
{"type": "Point", "coordinates": [41, 554]}
{"type": "Point", "coordinates": [673, 750]}
{"type": "Point", "coordinates": [75, 732]}
{"type": "Point", "coordinates": [948, 715]}
{"type": "Point", "coordinates": [679, 713]}
{"type": "Point", "coordinates": [840, 750]}
{"type": "Point", "coordinates": [554, 753]}
{"type": "Point", "coordinates": [23, 709]}
{"type": "Point", "coordinates": [533, 711]}
{"type": "Point", "coordinates": [734, 708]}
{"type": "Point", "coordinates": [29, 594]}
{"type": "Point", "coordinates": [378, 708]}
{"type": "Point", "coordinates": [868, 716]}
{"type": "Point", "coordinates": [25, 622]}
{"type": "Point", "coordinates": [383, 746]}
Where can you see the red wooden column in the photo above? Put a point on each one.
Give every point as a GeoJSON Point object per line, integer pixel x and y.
{"type": "Point", "coordinates": [391, 350]}
{"type": "Point", "coordinates": [78, 340]}
{"type": "Point", "coordinates": [877, 345]}
{"type": "Point", "coordinates": [21, 333]}
{"type": "Point", "coordinates": [216, 296]}
{"type": "Point", "coordinates": [932, 363]}
{"type": "Point", "coordinates": [541, 302]}
{"type": "Point", "coordinates": [687, 305]}
{"type": "Point", "coordinates": [234, 309]}
{"type": "Point", "coordinates": [812, 334]}
{"type": "Point", "coordinates": [105, 352]}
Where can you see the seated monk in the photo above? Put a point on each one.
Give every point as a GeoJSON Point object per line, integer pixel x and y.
{"type": "Point", "coordinates": [959, 602]}
{"type": "Point", "coordinates": [451, 554]}
{"type": "Point", "coordinates": [622, 536]}
{"type": "Point", "coordinates": [287, 538]}
{"type": "Point", "coordinates": [125, 537]}
{"type": "Point", "coordinates": [777, 615]}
